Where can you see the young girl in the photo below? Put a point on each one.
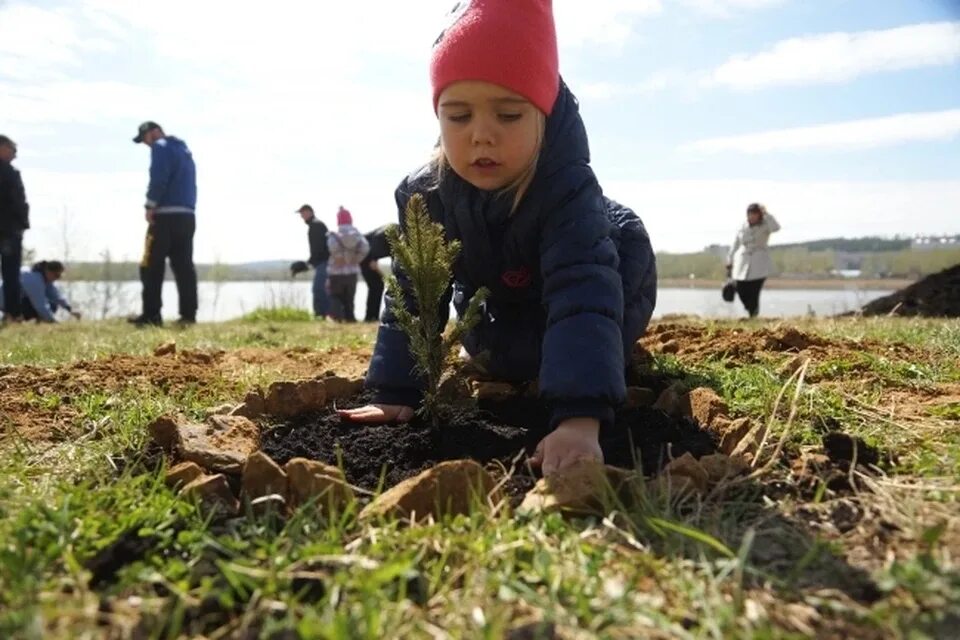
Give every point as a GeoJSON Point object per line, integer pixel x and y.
{"type": "Point", "coordinates": [571, 273]}
{"type": "Point", "coordinates": [749, 262]}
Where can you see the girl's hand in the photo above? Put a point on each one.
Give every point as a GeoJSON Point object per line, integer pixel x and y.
{"type": "Point", "coordinates": [376, 413]}
{"type": "Point", "coordinates": [574, 439]}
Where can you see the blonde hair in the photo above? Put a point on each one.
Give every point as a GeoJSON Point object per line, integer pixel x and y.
{"type": "Point", "coordinates": [522, 182]}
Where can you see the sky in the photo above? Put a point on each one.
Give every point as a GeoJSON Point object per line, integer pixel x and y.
{"type": "Point", "coordinates": [842, 116]}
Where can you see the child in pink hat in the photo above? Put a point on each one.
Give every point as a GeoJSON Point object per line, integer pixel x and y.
{"type": "Point", "coordinates": [571, 273]}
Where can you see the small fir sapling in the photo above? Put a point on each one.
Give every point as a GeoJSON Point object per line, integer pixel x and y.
{"type": "Point", "coordinates": [426, 259]}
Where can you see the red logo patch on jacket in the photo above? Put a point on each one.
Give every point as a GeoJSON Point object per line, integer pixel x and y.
{"type": "Point", "coordinates": [517, 278]}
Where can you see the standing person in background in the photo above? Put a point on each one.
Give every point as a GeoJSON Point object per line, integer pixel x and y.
{"type": "Point", "coordinates": [40, 296]}
{"type": "Point", "coordinates": [348, 248]}
{"type": "Point", "coordinates": [171, 220]}
{"type": "Point", "coordinates": [319, 254]}
{"type": "Point", "coordinates": [14, 220]}
{"type": "Point", "coordinates": [749, 262]}
{"type": "Point", "coordinates": [379, 248]}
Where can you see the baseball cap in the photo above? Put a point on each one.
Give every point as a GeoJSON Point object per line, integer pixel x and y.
{"type": "Point", "coordinates": [144, 128]}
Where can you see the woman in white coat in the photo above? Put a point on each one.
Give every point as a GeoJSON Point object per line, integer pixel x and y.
{"type": "Point", "coordinates": [749, 262]}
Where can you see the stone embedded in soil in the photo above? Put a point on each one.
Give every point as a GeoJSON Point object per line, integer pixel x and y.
{"type": "Point", "coordinates": [338, 388]}
{"type": "Point", "coordinates": [213, 492]}
{"type": "Point", "coordinates": [671, 400]}
{"type": "Point", "coordinates": [253, 406]}
{"type": "Point", "coordinates": [165, 432]}
{"type": "Point", "coordinates": [222, 444]}
{"type": "Point", "coordinates": [309, 479]}
{"type": "Point", "coordinates": [640, 397]}
{"type": "Point", "coordinates": [704, 405]}
{"type": "Point", "coordinates": [686, 466]}
{"type": "Point", "coordinates": [486, 390]}
{"type": "Point", "coordinates": [292, 398]}
{"type": "Point", "coordinates": [720, 467]}
{"type": "Point", "coordinates": [166, 349]}
{"type": "Point", "coordinates": [450, 488]}
{"type": "Point", "coordinates": [182, 474]}
{"type": "Point", "coordinates": [262, 477]}
{"type": "Point", "coordinates": [587, 487]}
{"type": "Point", "coordinates": [732, 433]}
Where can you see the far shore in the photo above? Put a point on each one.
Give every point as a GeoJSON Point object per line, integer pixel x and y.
{"type": "Point", "coordinates": [892, 284]}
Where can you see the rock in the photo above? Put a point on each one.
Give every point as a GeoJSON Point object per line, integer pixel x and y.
{"type": "Point", "coordinates": [213, 492]}
{"type": "Point", "coordinates": [640, 397]}
{"type": "Point", "coordinates": [253, 406]}
{"type": "Point", "coordinates": [670, 346]}
{"type": "Point", "coordinates": [220, 410]}
{"type": "Point", "coordinates": [484, 390]}
{"type": "Point", "coordinates": [454, 388]}
{"type": "Point", "coordinates": [222, 444]}
{"type": "Point", "coordinates": [720, 467]}
{"type": "Point", "coordinates": [450, 488]}
{"type": "Point", "coordinates": [182, 474]}
{"type": "Point", "coordinates": [166, 349]}
{"type": "Point", "coordinates": [338, 388]}
{"type": "Point", "coordinates": [688, 467]}
{"type": "Point", "coordinates": [293, 398]}
{"type": "Point", "coordinates": [704, 405]}
{"type": "Point", "coordinates": [263, 477]}
{"type": "Point", "coordinates": [164, 431]}
{"type": "Point", "coordinates": [732, 433]}
{"type": "Point", "coordinates": [587, 487]}
{"type": "Point", "coordinates": [670, 400]}
{"type": "Point", "coordinates": [309, 479]}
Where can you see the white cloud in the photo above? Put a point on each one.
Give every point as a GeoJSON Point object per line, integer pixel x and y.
{"type": "Point", "coordinates": [856, 134]}
{"type": "Point", "coordinates": [687, 215]}
{"type": "Point", "coordinates": [726, 8]}
{"type": "Point", "coordinates": [841, 57]}
{"type": "Point", "coordinates": [605, 22]}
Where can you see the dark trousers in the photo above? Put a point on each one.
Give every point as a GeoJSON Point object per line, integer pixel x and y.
{"type": "Point", "coordinates": [11, 259]}
{"type": "Point", "coordinates": [749, 292]}
{"type": "Point", "coordinates": [343, 289]}
{"type": "Point", "coordinates": [170, 236]}
{"type": "Point", "coordinates": [374, 281]}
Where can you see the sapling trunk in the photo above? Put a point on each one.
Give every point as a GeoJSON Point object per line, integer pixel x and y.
{"type": "Point", "coordinates": [426, 259]}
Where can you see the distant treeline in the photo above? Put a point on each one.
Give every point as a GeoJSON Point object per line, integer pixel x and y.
{"type": "Point", "coordinates": [823, 263]}
{"type": "Point", "coordinates": [817, 259]}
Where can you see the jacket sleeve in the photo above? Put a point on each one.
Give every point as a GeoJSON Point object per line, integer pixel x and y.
{"type": "Point", "coordinates": [771, 223]}
{"type": "Point", "coordinates": [392, 374]}
{"type": "Point", "coordinates": [582, 363]}
{"type": "Point", "coordinates": [56, 298]}
{"type": "Point", "coordinates": [638, 271]}
{"type": "Point", "coordinates": [160, 170]}
{"type": "Point", "coordinates": [319, 253]}
{"type": "Point", "coordinates": [36, 291]}
{"type": "Point", "coordinates": [13, 194]}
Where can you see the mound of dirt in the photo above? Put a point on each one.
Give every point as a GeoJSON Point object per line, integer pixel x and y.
{"type": "Point", "coordinates": [743, 345]}
{"type": "Point", "coordinates": [501, 431]}
{"type": "Point", "coordinates": [936, 296]}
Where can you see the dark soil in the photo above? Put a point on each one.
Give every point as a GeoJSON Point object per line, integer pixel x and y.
{"type": "Point", "coordinates": [504, 431]}
{"type": "Point", "coordinates": [936, 296]}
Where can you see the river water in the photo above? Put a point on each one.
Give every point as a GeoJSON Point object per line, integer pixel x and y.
{"type": "Point", "coordinates": [228, 300]}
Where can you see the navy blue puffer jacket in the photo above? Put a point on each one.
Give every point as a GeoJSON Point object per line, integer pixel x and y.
{"type": "Point", "coordinates": [571, 274]}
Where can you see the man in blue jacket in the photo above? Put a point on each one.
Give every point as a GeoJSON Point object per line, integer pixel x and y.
{"type": "Point", "coordinates": [171, 198]}
{"type": "Point", "coordinates": [14, 220]}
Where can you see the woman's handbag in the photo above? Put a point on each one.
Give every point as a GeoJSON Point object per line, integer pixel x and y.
{"type": "Point", "coordinates": [729, 291]}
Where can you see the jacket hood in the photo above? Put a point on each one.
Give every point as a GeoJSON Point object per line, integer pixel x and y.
{"type": "Point", "coordinates": [564, 137]}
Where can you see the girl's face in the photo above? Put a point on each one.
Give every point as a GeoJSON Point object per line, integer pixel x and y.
{"type": "Point", "coordinates": [754, 217]}
{"type": "Point", "coordinates": [489, 134]}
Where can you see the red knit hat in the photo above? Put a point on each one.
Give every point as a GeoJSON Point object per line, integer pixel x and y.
{"type": "Point", "coordinates": [344, 217]}
{"type": "Point", "coordinates": [511, 43]}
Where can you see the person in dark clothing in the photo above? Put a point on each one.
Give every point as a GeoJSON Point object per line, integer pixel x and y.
{"type": "Point", "coordinates": [571, 273]}
{"type": "Point", "coordinates": [171, 220]}
{"type": "Point", "coordinates": [319, 254]}
{"type": "Point", "coordinates": [14, 220]}
{"type": "Point", "coordinates": [379, 248]}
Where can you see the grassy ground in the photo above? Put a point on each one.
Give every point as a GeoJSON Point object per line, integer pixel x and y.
{"type": "Point", "coordinates": [877, 557]}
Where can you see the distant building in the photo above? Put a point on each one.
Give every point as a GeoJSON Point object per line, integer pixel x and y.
{"type": "Point", "coordinates": [932, 243]}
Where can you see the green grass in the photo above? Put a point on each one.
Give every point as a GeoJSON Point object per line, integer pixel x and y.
{"type": "Point", "coordinates": [739, 564]}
